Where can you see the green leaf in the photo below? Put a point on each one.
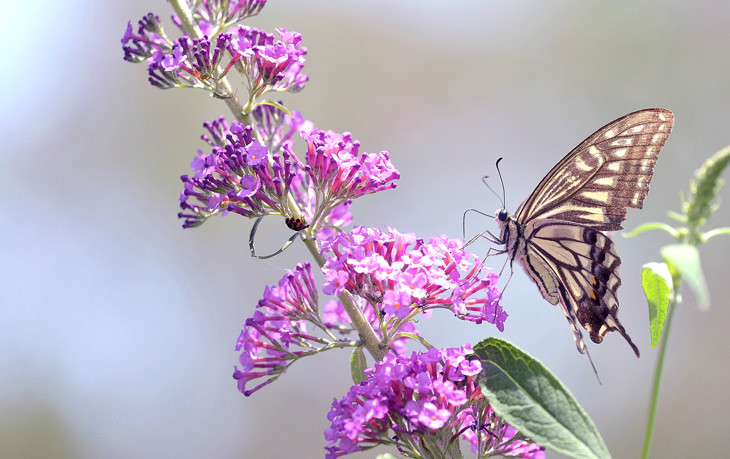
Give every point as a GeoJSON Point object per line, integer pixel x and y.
{"type": "Point", "coordinates": [358, 364]}
{"type": "Point", "coordinates": [523, 392]}
{"type": "Point", "coordinates": [656, 281]}
{"type": "Point", "coordinates": [276, 105]}
{"type": "Point", "coordinates": [651, 226]}
{"type": "Point", "coordinates": [385, 456]}
{"type": "Point", "coordinates": [685, 259]}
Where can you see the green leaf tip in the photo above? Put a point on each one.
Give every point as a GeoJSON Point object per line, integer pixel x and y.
{"type": "Point", "coordinates": [657, 284]}
{"type": "Point", "coordinates": [685, 260]}
{"type": "Point", "coordinates": [523, 392]}
{"type": "Point", "coordinates": [358, 364]}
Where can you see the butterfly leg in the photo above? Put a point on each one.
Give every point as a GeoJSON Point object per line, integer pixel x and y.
{"type": "Point", "coordinates": [471, 241]}
{"type": "Point", "coordinates": [511, 273]}
{"type": "Point", "coordinates": [486, 234]}
{"type": "Point", "coordinates": [493, 239]}
{"type": "Point", "coordinates": [491, 252]}
{"type": "Point", "coordinates": [511, 268]}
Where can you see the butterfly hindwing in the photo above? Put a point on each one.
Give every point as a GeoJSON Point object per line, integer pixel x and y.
{"type": "Point", "coordinates": [556, 234]}
{"type": "Point", "coordinates": [583, 262]}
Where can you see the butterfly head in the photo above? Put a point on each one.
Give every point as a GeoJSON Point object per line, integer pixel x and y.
{"type": "Point", "coordinates": [502, 215]}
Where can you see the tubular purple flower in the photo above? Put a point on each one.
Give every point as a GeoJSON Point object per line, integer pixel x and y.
{"type": "Point", "coordinates": [274, 128]}
{"type": "Point", "coordinates": [400, 274]}
{"type": "Point", "coordinates": [218, 130]}
{"type": "Point", "coordinates": [172, 61]}
{"type": "Point", "coordinates": [294, 80]}
{"type": "Point", "coordinates": [419, 403]}
{"type": "Point", "coordinates": [336, 170]}
{"type": "Point", "coordinates": [277, 334]}
{"type": "Point", "coordinates": [191, 63]}
{"type": "Point", "coordinates": [149, 38]}
{"type": "Point", "coordinates": [269, 65]}
{"type": "Point", "coordinates": [239, 176]}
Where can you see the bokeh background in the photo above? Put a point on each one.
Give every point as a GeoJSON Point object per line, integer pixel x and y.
{"type": "Point", "coordinates": [117, 327]}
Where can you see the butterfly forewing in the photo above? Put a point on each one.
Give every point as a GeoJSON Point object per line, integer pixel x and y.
{"type": "Point", "coordinates": [556, 234]}
{"type": "Point", "coordinates": [610, 171]}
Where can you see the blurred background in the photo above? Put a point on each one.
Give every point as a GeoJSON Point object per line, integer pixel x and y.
{"type": "Point", "coordinates": [117, 327]}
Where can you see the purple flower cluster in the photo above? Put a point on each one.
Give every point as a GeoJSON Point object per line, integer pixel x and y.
{"type": "Point", "coordinates": [242, 175]}
{"type": "Point", "coordinates": [400, 274]}
{"type": "Point", "coordinates": [239, 175]}
{"type": "Point", "coordinates": [191, 63]}
{"type": "Point", "coordinates": [422, 404]}
{"type": "Point", "coordinates": [268, 64]}
{"type": "Point", "coordinates": [338, 173]}
{"type": "Point", "coordinates": [276, 336]}
{"type": "Point", "coordinates": [150, 37]}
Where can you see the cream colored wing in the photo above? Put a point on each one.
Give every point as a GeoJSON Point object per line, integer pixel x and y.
{"type": "Point", "coordinates": [577, 267]}
{"type": "Point", "coordinates": [608, 172]}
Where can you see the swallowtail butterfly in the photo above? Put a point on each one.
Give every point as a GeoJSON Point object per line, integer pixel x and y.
{"type": "Point", "coordinates": [557, 236]}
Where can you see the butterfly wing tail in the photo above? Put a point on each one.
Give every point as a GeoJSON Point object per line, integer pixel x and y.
{"type": "Point", "coordinates": [611, 323]}
{"type": "Point", "coordinates": [631, 343]}
{"type": "Point", "coordinates": [577, 335]}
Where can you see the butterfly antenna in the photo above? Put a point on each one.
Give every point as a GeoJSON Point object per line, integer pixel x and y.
{"type": "Point", "coordinates": [484, 181]}
{"type": "Point", "coordinates": [502, 199]}
{"type": "Point", "coordinates": [504, 194]}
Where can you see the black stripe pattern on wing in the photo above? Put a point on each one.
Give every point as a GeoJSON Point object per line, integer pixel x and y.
{"type": "Point", "coordinates": [585, 264]}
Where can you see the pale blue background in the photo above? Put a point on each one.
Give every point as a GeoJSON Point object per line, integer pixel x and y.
{"type": "Point", "coordinates": [117, 327]}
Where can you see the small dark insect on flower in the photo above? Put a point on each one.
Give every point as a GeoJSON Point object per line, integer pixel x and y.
{"type": "Point", "coordinates": [296, 224]}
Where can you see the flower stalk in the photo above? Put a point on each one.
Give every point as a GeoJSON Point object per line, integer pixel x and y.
{"type": "Point", "coordinates": [271, 161]}
{"type": "Point", "coordinates": [228, 95]}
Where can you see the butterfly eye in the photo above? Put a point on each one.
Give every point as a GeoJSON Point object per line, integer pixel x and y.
{"type": "Point", "coordinates": [502, 215]}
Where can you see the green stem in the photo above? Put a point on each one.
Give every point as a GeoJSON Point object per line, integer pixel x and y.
{"type": "Point", "coordinates": [361, 324]}
{"type": "Point", "coordinates": [658, 378]}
